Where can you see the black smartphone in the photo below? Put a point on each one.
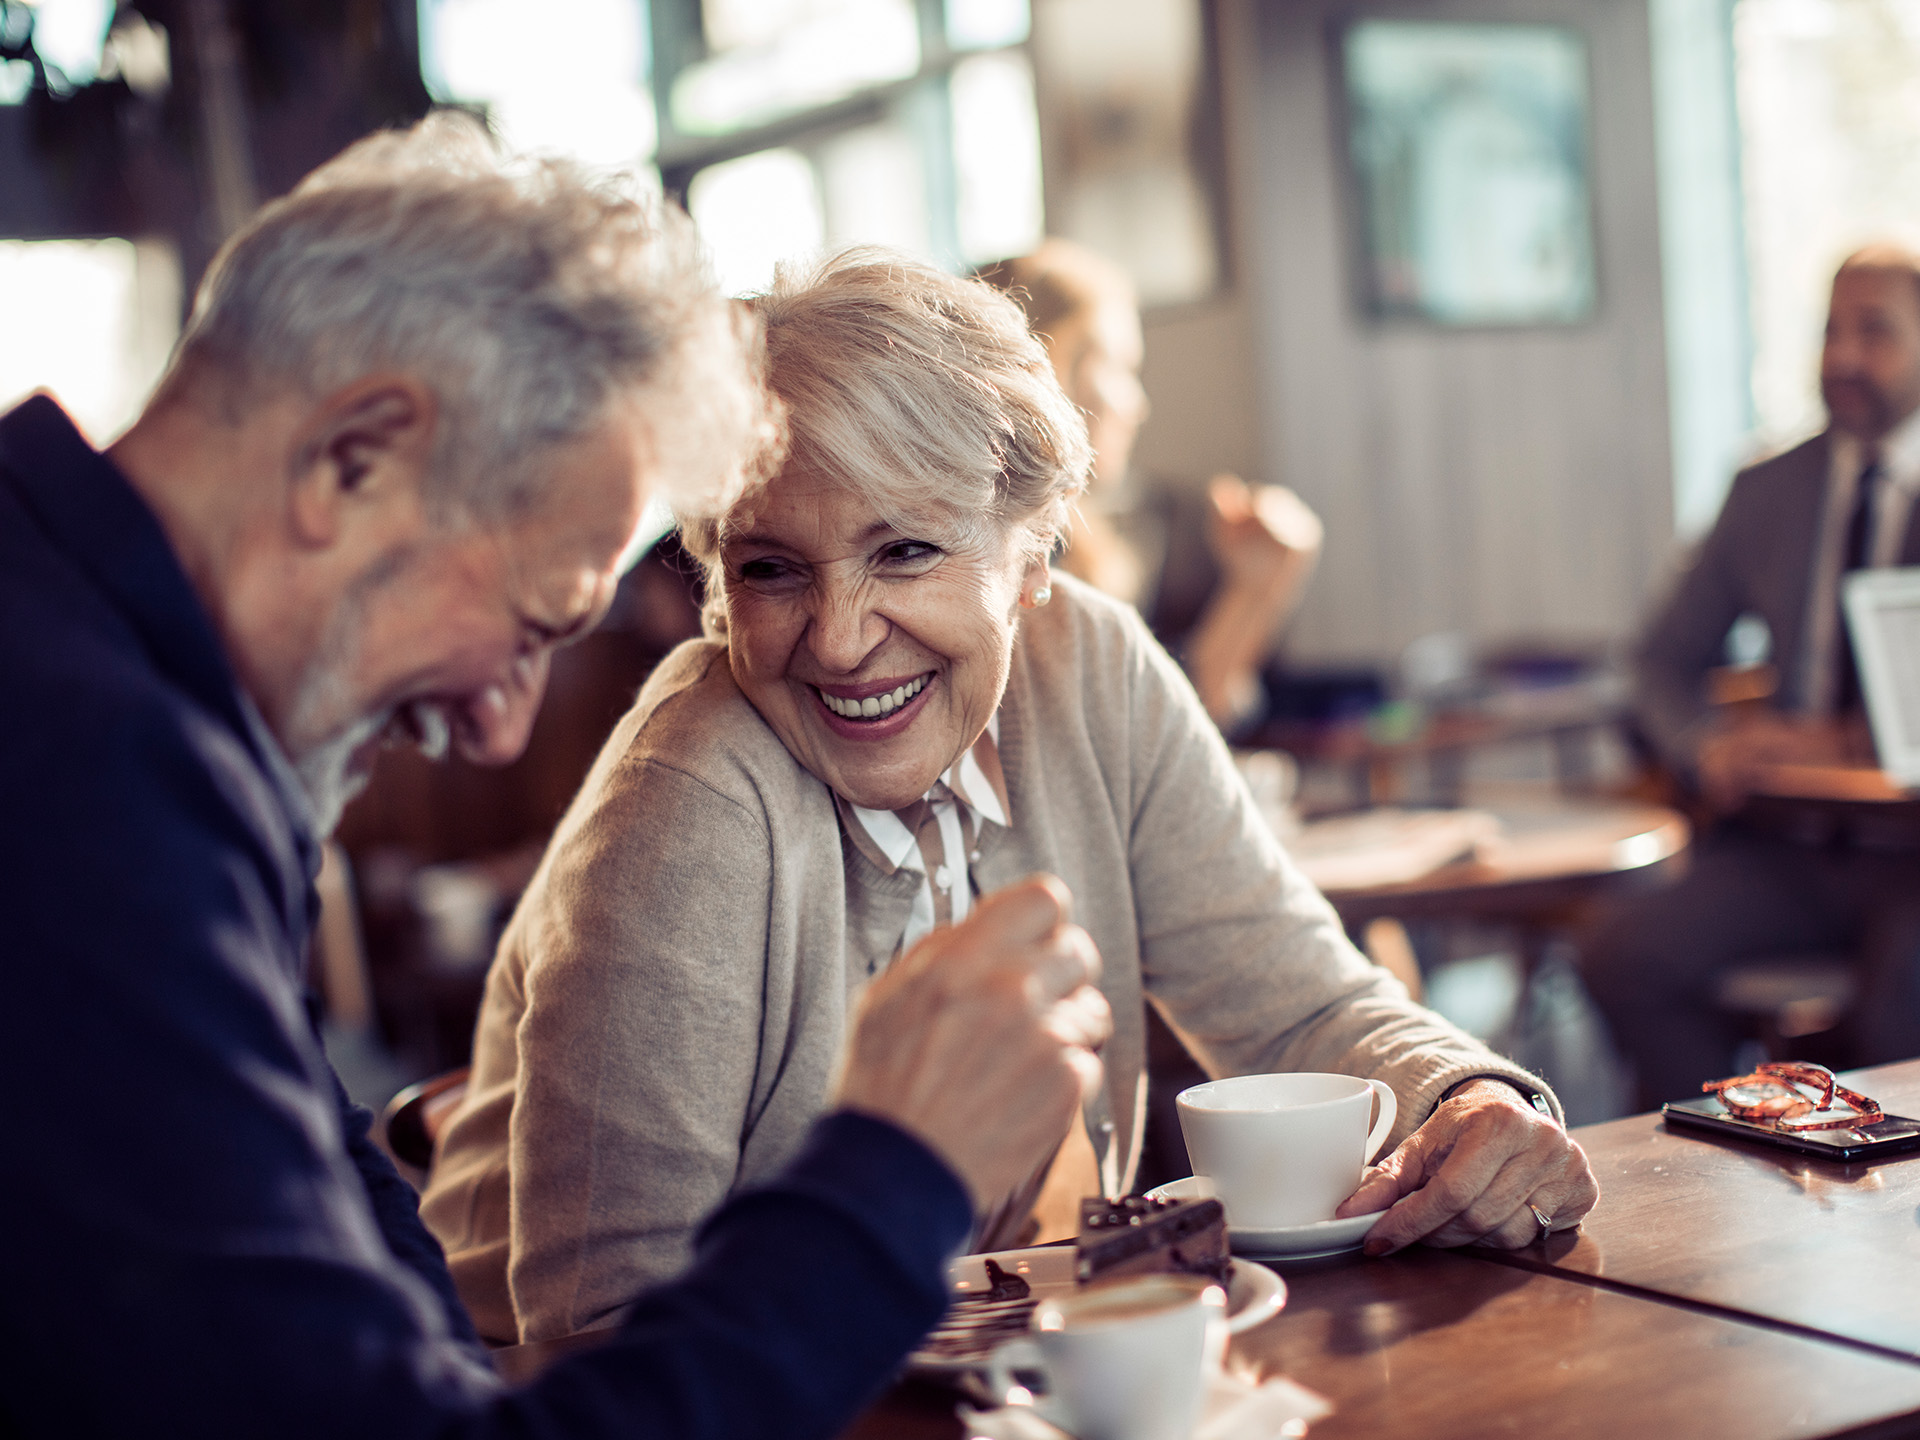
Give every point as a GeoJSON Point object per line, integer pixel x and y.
{"type": "Point", "coordinates": [1889, 1135]}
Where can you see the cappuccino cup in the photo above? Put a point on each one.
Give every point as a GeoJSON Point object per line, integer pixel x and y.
{"type": "Point", "coordinates": [1124, 1360]}
{"type": "Point", "coordinates": [1284, 1150]}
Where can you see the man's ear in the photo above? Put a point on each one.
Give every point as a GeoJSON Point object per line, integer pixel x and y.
{"type": "Point", "coordinates": [370, 442]}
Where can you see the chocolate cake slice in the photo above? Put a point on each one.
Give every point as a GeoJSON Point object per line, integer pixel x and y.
{"type": "Point", "coordinates": [1137, 1236]}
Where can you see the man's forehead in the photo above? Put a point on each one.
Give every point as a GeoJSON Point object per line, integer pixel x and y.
{"type": "Point", "coordinates": [1877, 286]}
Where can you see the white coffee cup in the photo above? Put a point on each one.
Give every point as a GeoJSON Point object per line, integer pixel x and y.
{"type": "Point", "coordinates": [1284, 1150]}
{"type": "Point", "coordinates": [1123, 1360]}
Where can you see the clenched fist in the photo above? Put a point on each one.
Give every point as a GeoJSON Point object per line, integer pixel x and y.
{"type": "Point", "coordinates": [980, 1040]}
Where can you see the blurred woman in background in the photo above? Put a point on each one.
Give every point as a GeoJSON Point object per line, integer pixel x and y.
{"type": "Point", "coordinates": [1216, 574]}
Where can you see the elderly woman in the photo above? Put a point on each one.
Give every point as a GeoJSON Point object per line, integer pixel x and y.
{"type": "Point", "coordinates": [899, 711]}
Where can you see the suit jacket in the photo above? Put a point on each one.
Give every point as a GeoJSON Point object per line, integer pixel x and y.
{"type": "Point", "coordinates": [1758, 559]}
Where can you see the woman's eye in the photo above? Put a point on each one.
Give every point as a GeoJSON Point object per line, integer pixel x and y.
{"type": "Point", "coordinates": [910, 556]}
{"type": "Point", "coordinates": [769, 575]}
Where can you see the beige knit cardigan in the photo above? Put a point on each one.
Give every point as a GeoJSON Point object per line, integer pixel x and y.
{"type": "Point", "coordinates": [669, 1001]}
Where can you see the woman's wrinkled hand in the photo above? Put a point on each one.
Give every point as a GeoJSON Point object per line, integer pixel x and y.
{"type": "Point", "coordinates": [1472, 1172]}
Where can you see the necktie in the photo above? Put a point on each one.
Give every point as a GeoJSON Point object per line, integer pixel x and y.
{"type": "Point", "coordinates": [1858, 555]}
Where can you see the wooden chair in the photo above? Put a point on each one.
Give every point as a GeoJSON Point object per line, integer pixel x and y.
{"type": "Point", "coordinates": [415, 1117]}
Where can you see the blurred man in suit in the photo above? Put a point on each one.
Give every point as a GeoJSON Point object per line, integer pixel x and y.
{"type": "Point", "coordinates": [1790, 529]}
{"type": "Point", "coordinates": [401, 454]}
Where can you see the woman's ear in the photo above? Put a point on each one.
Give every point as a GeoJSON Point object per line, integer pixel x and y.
{"type": "Point", "coordinates": [1036, 583]}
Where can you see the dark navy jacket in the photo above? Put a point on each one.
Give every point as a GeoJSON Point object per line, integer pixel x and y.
{"type": "Point", "coordinates": [196, 1236]}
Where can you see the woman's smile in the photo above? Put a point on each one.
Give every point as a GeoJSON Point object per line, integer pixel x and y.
{"type": "Point", "coordinates": [876, 711]}
{"type": "Point", "coordinates": [876, 647]}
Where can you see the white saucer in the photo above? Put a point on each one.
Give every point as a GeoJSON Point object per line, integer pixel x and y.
{"type": "Point", "coordinates": [1290, 1242]}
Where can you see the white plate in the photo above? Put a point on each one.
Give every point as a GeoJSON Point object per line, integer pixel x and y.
{"type": "Point", "coordinates": [1254, 1293]}
{"type": "Point", "coordinates": [1291, 1242]}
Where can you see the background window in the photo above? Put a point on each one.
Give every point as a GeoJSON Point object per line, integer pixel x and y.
{"type": "Point", "coordinates": [103, 316]}
{"type": "Point", "coordinates": [1831, 158]}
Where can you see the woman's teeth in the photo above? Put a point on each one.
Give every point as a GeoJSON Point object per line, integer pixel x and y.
{"type": "Point", "coordinates": [874, 706]}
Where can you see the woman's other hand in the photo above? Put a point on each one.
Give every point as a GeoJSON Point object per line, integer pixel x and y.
{"type": "Point", "coordinates": [980, 1040]}
{"type": "Point", "coordinates": [1475, 1172]}
{"type": "Point", "coordinates": [1261, 536]}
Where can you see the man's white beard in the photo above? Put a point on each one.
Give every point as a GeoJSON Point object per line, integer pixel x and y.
{"type": "Point", "coordinates": [328, 775]}
{"type": "Point", "coordinates": [326, 767]}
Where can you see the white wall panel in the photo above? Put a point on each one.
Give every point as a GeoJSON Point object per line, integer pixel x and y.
{"type": "Point", "coordinates": [1504, 482]}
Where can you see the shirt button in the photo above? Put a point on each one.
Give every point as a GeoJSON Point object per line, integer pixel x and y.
{"type": "Point", "coordinates": [942, 878]}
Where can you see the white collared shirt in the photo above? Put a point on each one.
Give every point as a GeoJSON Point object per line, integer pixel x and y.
{"type": "Point", "coordinates": [972, 793]}
{"type": "Point", "coordinates": [1899, 456]}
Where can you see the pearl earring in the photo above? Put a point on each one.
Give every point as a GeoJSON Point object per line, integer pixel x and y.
{"type": "Point", "coordinates": [1041, 595]}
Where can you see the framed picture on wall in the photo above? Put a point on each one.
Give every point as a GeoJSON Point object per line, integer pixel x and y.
{"type": "Point", "coordinates": [1467, 153]}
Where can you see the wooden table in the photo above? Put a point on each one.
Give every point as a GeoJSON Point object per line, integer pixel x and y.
{"type": "Point", "coordinates": [1857, 804]}
{"type": "Point", "coordinates": [1720, 1290]}
{"type": "Point", "coordinates": [1440, 1344]}
{"type": "Point", "coordinates": [1556, 854]}
{"type": "Point", "coordinates": [1806, 1245]}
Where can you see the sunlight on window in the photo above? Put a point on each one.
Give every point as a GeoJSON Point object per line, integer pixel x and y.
{"type": "Point", "coordinates": [740, 24]}
{"type": "Point", "coordinates": [755, 212]}
{"type": "Point", "coordinates": [565, 76]}
{"type": "Point", "coordinates": [793, 54]}
{"type": "Point", "coordinates": [986, 24]}
{"type": "Point", "coordinates": [91, 320]}
{"type": "Point", "coordinates": [996, 154]}
{"type": "Point", "coordinates": [876, 189]}
{"type": "Point", "coordinates": [1830, 156]}
{"type": "Point", "coordinates": [68, 35]}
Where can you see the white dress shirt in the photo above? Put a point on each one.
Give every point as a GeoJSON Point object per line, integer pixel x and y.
{"type": "Point", "coordinates": [972, 793]}
{"type": "Point", "coordinates": [1899, 455]}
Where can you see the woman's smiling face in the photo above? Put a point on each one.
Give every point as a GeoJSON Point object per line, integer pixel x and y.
{"type": "Point", "coordinates": [876, 653]}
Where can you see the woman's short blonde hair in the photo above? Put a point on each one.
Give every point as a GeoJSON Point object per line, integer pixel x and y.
{"type": "Point", "coordinates": [923, 392]}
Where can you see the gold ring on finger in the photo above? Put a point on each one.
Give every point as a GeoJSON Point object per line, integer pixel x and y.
{"type": "Point", "coordinates": [1543, 1220]}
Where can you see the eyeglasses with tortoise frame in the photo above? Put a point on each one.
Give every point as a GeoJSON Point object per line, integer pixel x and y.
{"type": "Point", "coordinates": [1782, 1091]}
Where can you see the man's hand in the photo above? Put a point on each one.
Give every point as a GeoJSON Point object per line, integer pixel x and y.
{"type": "Point", "coordinates": [1470, 1173]}
{"type": "Point", "coordinates": [980, 1039]}
{"type": "Point", "coordinates": [1732, 760]}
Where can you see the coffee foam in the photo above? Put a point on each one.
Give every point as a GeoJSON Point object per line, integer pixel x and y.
{"type": "Point", "coordinates": [1117, 1301]}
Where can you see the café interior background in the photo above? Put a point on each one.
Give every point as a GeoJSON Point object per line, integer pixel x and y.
{"type": "Point", "coordinates": [1492, 477]}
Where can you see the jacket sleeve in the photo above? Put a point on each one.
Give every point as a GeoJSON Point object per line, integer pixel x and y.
{"type": "Point", "coordinates": [803, 1297]}
{"type": "Point", "coordinates": [205, 1257]}
{"type": "Point", "coordinates": [1686, 636]}
{"type": "Point", "coordinates": [1252, 967]}
{"type": "Point", "coordinates": [396, 1210]}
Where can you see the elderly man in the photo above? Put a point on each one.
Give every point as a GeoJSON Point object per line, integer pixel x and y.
{"type": "Point", "coordinates": [1791, 527]}
{"type": "Point", "coordinates": [401, 454]}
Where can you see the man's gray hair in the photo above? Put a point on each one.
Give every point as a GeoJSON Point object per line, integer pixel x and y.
{"type": "Point", "coordinates": [922, 392]}
{"type": "Point", "coordinates": [528, 294]}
